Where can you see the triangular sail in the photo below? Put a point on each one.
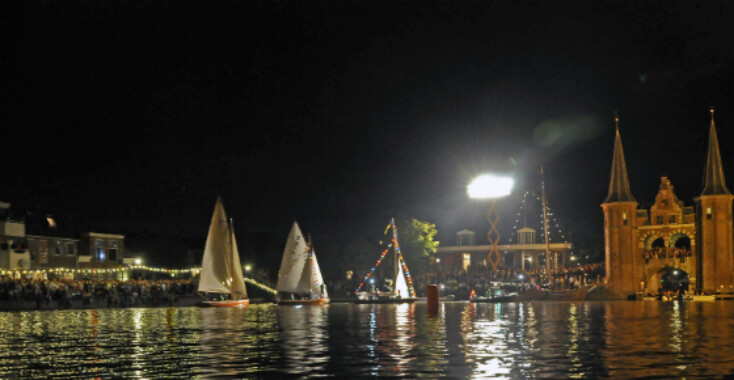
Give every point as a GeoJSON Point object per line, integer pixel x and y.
{"type": "Point", "coordinates": [238, 289]}
{"type": "Point", "coordinates": [217, 263]}
{"type": "Point", "coordinates": [294, 259]}
{"type": "Point", "coordinates": [304, 283]}
{"type": "Point", "coordinates": [316, 280]}
{"type": "Point", "coordinates": [401, 287]}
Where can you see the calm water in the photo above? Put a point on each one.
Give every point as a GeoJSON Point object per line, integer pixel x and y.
{"type": "Point", "coordinates": [534, 339]}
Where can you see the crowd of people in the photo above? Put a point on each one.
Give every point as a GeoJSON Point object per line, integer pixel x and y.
{"type": "Point", "coordinates": [479, 279]}
{"type": "Point", "coordinates": [60, 292]}
{"type": "Point", "coordinates": [666, 253]}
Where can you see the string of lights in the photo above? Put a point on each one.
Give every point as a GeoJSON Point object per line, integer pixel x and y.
{"type": "Point", "coordinates": [173, 272]}
{"type": "Point", "coordinates": [528, 198]}
{"type": "Point", "coordinates": [406, 271]}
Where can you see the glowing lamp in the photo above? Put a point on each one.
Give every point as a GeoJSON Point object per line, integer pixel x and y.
{"type": "Point", "coordinates": [488, 186]}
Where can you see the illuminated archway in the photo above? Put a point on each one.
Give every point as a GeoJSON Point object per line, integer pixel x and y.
{"type": "Point", "coordinates": [673, 279]}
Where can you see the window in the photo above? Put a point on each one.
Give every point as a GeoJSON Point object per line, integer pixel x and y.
{"type": "Point", "coordinates": [708, 213]}
{"type": "Point", "coordinates": [70, 248]}
{"type": "Point", "coordinates": [659, 219]}
{"type": "Point", "coordinates": [42, 253]}
{"type": "Point", "coordinates": [59, 249]}
{"type": "Point", "coordinates": [113, 250]}
{"type": "Point", "coordinates": [99, 250]}
{"type": "Point", "coordinates": [624, 218]}
{"type": "Point", "coordinates": [671, 219]}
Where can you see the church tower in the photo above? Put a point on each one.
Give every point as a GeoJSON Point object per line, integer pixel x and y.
{"type": "Point", "coordinates": [714, 228]}
{"type": "Point", "coordinates": [620, 228]}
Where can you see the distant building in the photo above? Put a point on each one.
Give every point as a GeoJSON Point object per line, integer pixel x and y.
{"type": "Point", "coordinates": [14, 253]}
{"type": "Point", "coordinates": [36, 241]}
{"type": "Point", "coordinates": [97, 250]}
{"type": "Point", "coordinates": [523, 255]}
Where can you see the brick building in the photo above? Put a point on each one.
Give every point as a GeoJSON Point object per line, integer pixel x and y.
{"type": "Point", "coordinates": [670, 242]}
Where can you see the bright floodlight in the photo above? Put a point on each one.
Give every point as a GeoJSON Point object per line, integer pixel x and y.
{"type": "Point", "coordinates": [489, 186]}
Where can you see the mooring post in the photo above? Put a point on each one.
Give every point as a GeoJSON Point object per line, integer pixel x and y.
{"type": "Point", "coordinates": [432, 298]}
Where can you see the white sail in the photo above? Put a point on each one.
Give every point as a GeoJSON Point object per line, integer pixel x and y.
{"type": "Point", "coordinates": [316, 280]}
{"type": "Point", "coordinates": [220, 267]}
{"type": "Point", "coordinates": [304, 281]}
{"type": "Point", "coordinates": [239, 291]}
{"type": "Point", "coordinates": [294, 260]}
{"type": "Point", "coordinates": [401, 287]}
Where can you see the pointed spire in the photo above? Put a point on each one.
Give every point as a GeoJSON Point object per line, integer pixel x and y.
{"type": "Point", "coordinates": [714, 182]}
{"type": "Point", "coordinates": [619, 185]}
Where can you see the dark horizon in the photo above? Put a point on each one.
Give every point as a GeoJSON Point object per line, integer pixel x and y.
{"type": "Point", "coordinates": [135, 117]}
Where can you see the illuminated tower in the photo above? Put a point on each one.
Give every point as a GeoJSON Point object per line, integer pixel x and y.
{"type": "Point", "coordinates": [714, 227]}
{"type": "Point", "coordinates": [623, 266]}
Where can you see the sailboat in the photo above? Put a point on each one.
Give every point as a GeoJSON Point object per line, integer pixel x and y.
{"type": "Point", "coordinates": [402, 291]}
{"type": "Point", "coordinates": [221, 272]}
{"type": "Point", "coordinates": [299, 278]}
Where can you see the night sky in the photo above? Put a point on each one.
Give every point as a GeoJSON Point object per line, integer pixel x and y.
{"type": "Point", "coordinates": [133, 116]}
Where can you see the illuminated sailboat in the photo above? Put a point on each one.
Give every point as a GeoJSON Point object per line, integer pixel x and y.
{"type": "Point", "coordinates": [299, 279]}
{"type": "Point", "coordinates": [402, 291]}
{"type": "Point", "coordinates": [221, 272]}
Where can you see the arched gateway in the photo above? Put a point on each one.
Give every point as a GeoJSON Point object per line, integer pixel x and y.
{"type": "Point", "coordinates": [644, 247]}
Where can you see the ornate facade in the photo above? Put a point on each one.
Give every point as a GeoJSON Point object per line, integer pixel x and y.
{"type": "Point", "coordinates": [643, 247]}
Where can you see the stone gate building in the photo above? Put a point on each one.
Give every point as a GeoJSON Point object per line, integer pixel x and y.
{"type": "Point", "coordinates": [641, 245]}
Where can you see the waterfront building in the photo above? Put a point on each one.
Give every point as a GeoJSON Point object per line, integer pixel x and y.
{"type": "Point", "coordinates": [671, 245]}
{"type": "Point", "coordinates": [14, 253]}
{"type": "Point", "coordinates": [37, 242]}
{"type": "Point", "coordinates": [525, 254]}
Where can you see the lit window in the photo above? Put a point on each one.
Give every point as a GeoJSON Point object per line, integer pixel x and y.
{"type": "Point", "coordinates": [467, 260]}
{"type": "Point", "coordinates": [99, 253]}
{"type": "Point", "coordinates": [708, 213]}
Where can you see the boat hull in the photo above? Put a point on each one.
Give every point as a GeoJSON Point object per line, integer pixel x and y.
{"type": "Point", "coordinates": [386, 300]}
{"type": "Point", "coordinates": [304, 302]}
{"type": "Point", "coordinates": [495, 299]}
{"type": "Point", "coordinates": [226, 303]}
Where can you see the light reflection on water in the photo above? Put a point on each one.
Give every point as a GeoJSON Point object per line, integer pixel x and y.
{"type": "Point", "coordinates": [462, 340]}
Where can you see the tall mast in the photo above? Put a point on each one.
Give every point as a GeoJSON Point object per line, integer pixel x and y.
{"type": "Point", "coordinates": [396, 249]}
{"type": "Point", "coordinates": [545, 227]}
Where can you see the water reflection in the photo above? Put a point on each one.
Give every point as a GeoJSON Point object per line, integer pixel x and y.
{"type": "Point", "coordinates": [463, 340]}
{"type": "Point", "coordinates": [304, 338]}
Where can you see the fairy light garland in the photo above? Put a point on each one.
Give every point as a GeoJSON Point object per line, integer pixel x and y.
{"type": "Point", "coordinates": [551, 215]}
{"type": "Point", "coordinates": [372, 270]}
{"type": "Point", "coordinates": [193, 271]}
{"type": "Point", "coordinates": [406, 271]}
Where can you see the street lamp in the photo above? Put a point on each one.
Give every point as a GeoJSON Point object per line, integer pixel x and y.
{"type": "Point", "coordinates": [491, 187]}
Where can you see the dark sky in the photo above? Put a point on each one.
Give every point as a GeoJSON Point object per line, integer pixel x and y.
{"type": "Point", "coordinates": [135, 115]}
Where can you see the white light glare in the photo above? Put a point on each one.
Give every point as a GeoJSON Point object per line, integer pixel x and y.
{"type": "Point", "coordinates": [489, 186]}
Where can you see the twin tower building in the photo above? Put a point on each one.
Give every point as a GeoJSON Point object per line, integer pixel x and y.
{"type": "Point", "coordinates": [697, 242]}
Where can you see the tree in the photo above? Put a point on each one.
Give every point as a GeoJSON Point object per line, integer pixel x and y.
{"type": "Point", "coordinates": [417, 243]}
